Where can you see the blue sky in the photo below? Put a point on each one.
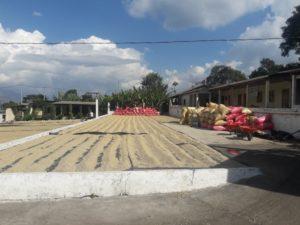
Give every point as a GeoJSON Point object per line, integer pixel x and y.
{"type": "Point", "coordinates": [66, 20]}
{"type": "Point", "coordinates": [131, 20]}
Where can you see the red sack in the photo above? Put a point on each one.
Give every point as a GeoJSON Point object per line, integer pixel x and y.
{"type": "Point", "coordinates": [232, 116]}
{"type": "Point", "coordinates": [265, 126]}
{"type": "Point", "coordinates": [240, 118]}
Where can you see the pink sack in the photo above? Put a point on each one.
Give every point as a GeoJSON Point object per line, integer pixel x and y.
{"type": "Point", "coordinates": [265, 118]}
{"type": "Point", "coordinates": [236, 110]}
{"type": "Point", "coordinates": [219, 128]}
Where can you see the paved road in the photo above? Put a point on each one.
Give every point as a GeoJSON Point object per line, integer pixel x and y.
{"type": "Point", "coordinates": [232, 204]}
{"type": "Point", "coordinates": [270, 199]}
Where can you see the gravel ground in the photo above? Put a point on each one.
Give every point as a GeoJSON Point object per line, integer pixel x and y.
{"type": "Point", "coordinates": [111, 143]}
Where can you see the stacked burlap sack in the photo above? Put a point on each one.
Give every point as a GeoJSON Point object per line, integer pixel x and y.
{"type": "Point", "coordinates": [218, 116]}
{"type": "Point", "coordinates": [213, 116]}
{"type": "Point", "coordinates": [207, 117]}
{"type": "Point", "coordinates": [189, 115]}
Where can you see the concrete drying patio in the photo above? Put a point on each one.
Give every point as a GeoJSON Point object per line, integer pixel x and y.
{"type": "Point", "coordinates": [20, 129]}
{"type": "Point", "coordinates": [112, 143]}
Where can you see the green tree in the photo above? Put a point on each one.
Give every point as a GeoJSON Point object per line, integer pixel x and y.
{"type": "Point", "coordinates": [267, 66]}
{"type": "Point", "coordinates": [87, 97]}
{"type": "Point", "coordinates": [291, 34]}
{"type": "Point", "coordinates": [153, 90]}
{"type": "Point", "coordinates": [34, 98]}
{"type": "Point", "coordinates": [221, 74]}
{"type": "Point", "coordinates": [71, 95]}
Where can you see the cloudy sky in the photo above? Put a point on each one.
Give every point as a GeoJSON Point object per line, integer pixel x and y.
{"type": "Point", "coordinates": [51, 68]}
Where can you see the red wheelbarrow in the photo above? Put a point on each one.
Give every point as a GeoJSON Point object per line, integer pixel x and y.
{"type": "Point", "coordinates": [247, 131]}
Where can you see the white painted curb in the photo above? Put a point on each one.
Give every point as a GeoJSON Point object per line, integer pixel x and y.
{"type": "Point", "coordinates": [43, 186]}
{"type": "Point", "coordinates": [13, 143]}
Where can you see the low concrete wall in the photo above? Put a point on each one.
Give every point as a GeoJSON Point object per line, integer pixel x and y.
{"type": "Point", "coordinates": [13, 143]}
{"type": "Point", "coordinates": [284, 119]}
{"type": "Point", "coordinates": [175, 110]}
{"type": "Point", "coordinates": [43, 186]}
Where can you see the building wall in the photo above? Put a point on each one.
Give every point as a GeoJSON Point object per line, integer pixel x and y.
{"type": "Point", "coordinates": [175, 110]}
{"type": "Point", "coordinates": [284, 119]}
{"type": "Point", "coordinates": [185, 99]}
{"type": "Point", "coordinates": [277, 88]}
{"type": "Point", "coordinates": [254, 91]}
{"type": "Point", "coordinates": [233, 95]}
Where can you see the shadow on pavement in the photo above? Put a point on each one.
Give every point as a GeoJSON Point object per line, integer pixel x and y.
{"type": "Point", "coordinates": [280, 168]}
{"type": "Point", "coordinates": [106, 133]}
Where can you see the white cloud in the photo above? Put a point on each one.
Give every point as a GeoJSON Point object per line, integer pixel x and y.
{"type": "Point", "coordinates": [194, 74]}
{"type": "Point", "coordinates": [86, 67]}
{"type": "Point", "coordinates": [251, 52]}
{"type": "Point", "coordinates": [36, 13]}
{"type": "Point", "coordinates": [208, 14]}
{"type": "Point", "coordinates": [211, 14]}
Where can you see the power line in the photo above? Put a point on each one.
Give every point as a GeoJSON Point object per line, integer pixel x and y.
{"type": "Point", "coordinates": [44, 87]}
{"type": "Point", "coordinates": [143, 42]}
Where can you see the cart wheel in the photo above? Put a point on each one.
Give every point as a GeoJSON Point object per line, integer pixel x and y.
{"type": "Point", "coordinates": [249, 136]}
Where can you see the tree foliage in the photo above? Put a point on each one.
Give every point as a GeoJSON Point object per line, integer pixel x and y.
{"type": "Point", "coordinates": [71, 95]}
{"type": "Point", "coordinates": [291, 34]}
{"type": "Point", "coordinates": [222, 74]}
{"type": "Point", "coordinates": [152, 92]}
{"type": "Point", "coordinates": [267, 66]}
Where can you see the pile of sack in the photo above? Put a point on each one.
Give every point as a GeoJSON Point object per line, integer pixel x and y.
{"type": "Point", "coordinates": [219, 117]}
{"type": "Point", "coordinates": [214, 116]}
{"type": "Point", "coordinates": [136, 111]}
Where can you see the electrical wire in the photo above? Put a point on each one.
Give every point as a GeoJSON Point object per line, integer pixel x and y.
{"type": "Point", "coordinates": [143, 42]}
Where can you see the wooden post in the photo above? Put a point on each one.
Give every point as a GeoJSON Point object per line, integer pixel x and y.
{"type": "Point", "coordinates": [219, 96]}
{"type": "Point", "coordinates": [267, 88]}
{"type": "Point", "coordinates": [54, 110]}
{"type": "Point", "coordinates": [293, 91]}
{"type": "Point", "coordinates": [61, 109]}
{"type": "Point", "coordinates": [247, 95]}
{"type": "Point", "coordinates": [71, 110]}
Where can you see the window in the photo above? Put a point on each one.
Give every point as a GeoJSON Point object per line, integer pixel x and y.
{"type": "Point", "coordinates": [297, 92]}
{"type": "Point", "coordinates": [259, 97]}
{"type": "Point", "coordinates": [271, 96]}
{"type": "Point", "coordinates": [184, 103]}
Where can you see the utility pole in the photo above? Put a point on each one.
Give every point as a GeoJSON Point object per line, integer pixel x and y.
{"type": "Point", "coordinates": [21, 95]}
{"type": "Point", "coordinates": [44, 93]}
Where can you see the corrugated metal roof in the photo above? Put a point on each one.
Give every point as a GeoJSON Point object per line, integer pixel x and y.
{"type": "Point", "coordinates": [73, 103]}
{"type": "Point", "coordinates": [293, 71]}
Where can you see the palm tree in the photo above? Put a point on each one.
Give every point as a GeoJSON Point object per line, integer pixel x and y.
{"type": "Point", "coordinates": [174, 84]}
